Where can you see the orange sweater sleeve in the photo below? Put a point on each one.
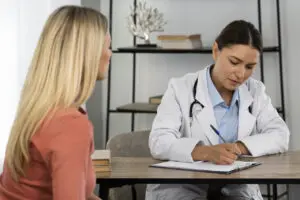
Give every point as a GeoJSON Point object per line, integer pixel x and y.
{"type": "Point", "coordinates": [70, 158]}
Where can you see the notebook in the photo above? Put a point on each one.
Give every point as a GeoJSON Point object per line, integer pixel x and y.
{"type": "Point", "coordinates": [207, 166]}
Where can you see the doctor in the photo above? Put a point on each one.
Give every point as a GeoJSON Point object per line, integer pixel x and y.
{"type": "Point", "coordinates": [216, 114]}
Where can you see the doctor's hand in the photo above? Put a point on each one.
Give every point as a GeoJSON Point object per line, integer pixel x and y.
{"type": "Point", "coordinates": [222, 154]}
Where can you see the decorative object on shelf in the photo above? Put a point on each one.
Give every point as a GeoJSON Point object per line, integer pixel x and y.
{"type": "Point", "coordinates": [180, 41]}
{"type": "Point", "coordinates": [144, 20]}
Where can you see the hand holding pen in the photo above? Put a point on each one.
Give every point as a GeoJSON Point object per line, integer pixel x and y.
{"type": "Point", "coordinates": [223, 154]}
{"type": "Point", "coordinates": [224, 141]}
{"type": "Point", "coordinates": [240, 146]}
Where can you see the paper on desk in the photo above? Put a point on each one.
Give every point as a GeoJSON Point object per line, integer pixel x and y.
{"type": "Point", "coordinates": [206, 166]}
{"type": "Point", "coordinates": [247, 156]}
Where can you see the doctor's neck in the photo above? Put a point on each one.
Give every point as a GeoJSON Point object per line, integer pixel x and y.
{"type": "Point", "coordinates": [224, 92]}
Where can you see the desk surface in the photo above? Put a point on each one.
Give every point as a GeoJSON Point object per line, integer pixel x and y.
{"type": "Point", "coordinates": [280, 168]}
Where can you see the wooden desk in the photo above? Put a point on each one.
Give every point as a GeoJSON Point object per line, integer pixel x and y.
{"type": "Point", "coordinates": [280, 169]}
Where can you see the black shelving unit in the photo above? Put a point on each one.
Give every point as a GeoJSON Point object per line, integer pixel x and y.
{"type": "Point", "coordinates": [143, 107]}
{"type": "Point", "coordinates": [204, 50]}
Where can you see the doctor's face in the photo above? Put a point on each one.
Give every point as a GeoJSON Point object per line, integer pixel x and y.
{"type": "Point", "coordinates": [233, 65]}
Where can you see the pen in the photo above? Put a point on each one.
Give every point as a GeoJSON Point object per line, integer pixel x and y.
{"type": "Point", "coordinates": [218, 133]}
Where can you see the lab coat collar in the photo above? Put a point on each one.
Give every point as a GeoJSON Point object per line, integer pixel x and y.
{"type": "Point", "coordinates": [206, 117]}
{"type": "Point", "coordinates": [245, 96]}
{"type": "Point", "coordinates": [246, 119]}
{"type": "Point", "coordinates": [202, 94]}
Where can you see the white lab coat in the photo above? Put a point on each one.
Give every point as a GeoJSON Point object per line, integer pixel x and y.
{"type": "Point", "coordinates": [173, 136]}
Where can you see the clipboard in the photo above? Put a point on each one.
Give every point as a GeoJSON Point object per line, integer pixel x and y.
{"type": "Point", "coordinates": [209, 167]}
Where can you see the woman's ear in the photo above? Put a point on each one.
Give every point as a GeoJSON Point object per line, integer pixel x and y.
{"type": "Point", "coordinates": [215, 51]}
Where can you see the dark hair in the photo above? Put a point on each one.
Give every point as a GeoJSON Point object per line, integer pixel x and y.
{"type": "Point", "coordinates": [240, 32]}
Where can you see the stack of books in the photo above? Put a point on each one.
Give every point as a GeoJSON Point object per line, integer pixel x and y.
{"type": "Point", "coordinates": [155, 99]}
{"type": "Point", "coordinates": [180, 41]}
{"type": "Point", "coordinates": [102, 160]}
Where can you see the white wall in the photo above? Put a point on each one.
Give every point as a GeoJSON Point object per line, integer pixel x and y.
{"type": "Point", "coordinates": [9, 40]}
{"type": "Point", "coordinates": [21, 22]}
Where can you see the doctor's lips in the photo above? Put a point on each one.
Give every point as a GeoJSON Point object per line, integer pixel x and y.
{"type": "Point", "coordinates": [235, 82]}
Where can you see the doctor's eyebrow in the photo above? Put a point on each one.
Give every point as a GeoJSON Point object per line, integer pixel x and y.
{"type": "Point", "coordinates": [240, 60]}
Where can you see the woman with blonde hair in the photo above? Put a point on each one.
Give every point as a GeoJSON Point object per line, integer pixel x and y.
{"type": "Point", "coordinates": [51, 140]}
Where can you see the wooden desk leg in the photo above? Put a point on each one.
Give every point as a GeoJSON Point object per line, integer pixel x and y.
{"type": "Point", "coordinates": [103, 191]}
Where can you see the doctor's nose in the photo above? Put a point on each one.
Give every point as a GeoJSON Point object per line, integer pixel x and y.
{"type": "Point", "coordinates": [240, 73]}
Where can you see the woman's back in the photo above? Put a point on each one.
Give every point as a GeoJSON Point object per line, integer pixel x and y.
{"type": "Point", "coordinates": [59, 151]}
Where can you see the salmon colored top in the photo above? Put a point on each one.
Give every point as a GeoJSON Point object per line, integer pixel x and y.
{"type": "Point", "coordinates": [61, 166]}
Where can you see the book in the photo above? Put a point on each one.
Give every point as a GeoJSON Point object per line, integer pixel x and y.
{"type": "Point", "coordinates": [102, 154]}
{"type": "Point", "coordinates": [102, 168]}
{"type": "Point", "coordinates": [155, 99]}
{"type": "Point", "coordinates": [101, 157]}
{"type": "Point", "coordinates": [202, 166]}
{"type": "Point", "coordinates": [101, 160]}
{"type": "Point", "coordinates": [180, 41]}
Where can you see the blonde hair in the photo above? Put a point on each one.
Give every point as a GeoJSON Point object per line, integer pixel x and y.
{"type": "Point", "coordinates": [62, 74]}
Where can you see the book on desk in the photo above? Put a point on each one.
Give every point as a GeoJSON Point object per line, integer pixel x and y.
{"type": "Point", "coordinates": [202, 166]}
{"type": "Point", "coordinates": [101, 160]}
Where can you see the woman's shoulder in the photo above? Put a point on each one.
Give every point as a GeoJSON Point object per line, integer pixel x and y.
{"type": "Point", "coordinates": [64, 123]}
{"type": "Point", "coordinates": [64, 117]}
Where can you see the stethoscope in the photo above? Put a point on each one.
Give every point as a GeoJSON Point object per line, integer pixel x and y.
{"type": "Point", "coordinates": [195, 102]}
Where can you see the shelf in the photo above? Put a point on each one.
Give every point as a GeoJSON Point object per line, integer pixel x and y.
{"type": "Point", "coordinates": [138, 108]}
{"type": "Point", "coordinates": [147, 108]}
{"type": "Point", "coordinates": [205, 50]}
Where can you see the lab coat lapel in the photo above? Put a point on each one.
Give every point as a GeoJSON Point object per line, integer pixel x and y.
{"type": "Point", "coordinates": [246, 119]}
{"type": "Point", "coordinates": [206, 117]}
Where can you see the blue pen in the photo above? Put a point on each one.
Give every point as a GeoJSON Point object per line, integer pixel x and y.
{"type": "Point", "coordinates": [218, 133]}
